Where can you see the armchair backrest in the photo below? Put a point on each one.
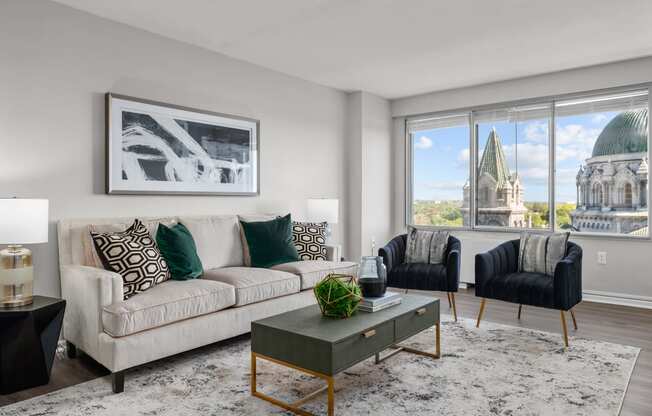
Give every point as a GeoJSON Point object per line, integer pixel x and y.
{"type": "Point", "coordinates": [510, 252]}
{"type": "Point", "coordinates": [393, 253]}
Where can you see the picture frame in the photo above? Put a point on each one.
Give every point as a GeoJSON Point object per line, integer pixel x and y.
{"type": "Point", "coordinates": [157, 148]}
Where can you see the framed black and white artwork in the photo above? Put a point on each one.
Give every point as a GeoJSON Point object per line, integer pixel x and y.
{"type": "Point", "coordinates": [157, 148]}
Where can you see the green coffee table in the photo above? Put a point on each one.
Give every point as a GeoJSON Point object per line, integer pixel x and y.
{"type": "Point", "coordinates": [306, 341]}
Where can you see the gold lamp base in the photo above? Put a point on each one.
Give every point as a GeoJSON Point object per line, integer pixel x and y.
{"type": "Point", "coordinates": [16, 277]}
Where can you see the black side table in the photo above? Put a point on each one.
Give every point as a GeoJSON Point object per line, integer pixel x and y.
{"type": "Point", "coordinates": [28, 342]}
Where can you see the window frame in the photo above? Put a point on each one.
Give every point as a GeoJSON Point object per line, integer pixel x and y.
{"type": "Point", "coordinates": [552, 151]}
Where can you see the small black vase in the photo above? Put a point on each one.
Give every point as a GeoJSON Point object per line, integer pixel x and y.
{"type": "Point", "coordinates": [373, 279]}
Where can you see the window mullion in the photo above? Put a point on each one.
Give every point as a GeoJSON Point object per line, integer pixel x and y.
{"type": "Point", "coordinates": [473, 158]}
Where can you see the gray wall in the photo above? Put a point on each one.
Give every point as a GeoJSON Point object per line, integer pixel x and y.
{"type": "Point", "coordinates": [56, 65]}
{"type": "Point", "coordinates": [626, 276]}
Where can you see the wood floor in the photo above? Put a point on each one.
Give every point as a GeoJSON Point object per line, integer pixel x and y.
{"type": "Point", "coordinates": [618, 324]}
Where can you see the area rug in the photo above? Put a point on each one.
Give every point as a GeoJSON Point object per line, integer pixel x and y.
{"type": "Point", "coordinates": [494, 370]}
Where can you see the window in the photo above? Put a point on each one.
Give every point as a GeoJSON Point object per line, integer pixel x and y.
{"type": "Point", "coordinates": [601, 163]}
{"type": "Point", "coordinates": [596, 162]}
{"type": "Point", "coordinates": [512, 173]}
{"type": "Point", "coordinates": [440, 169]}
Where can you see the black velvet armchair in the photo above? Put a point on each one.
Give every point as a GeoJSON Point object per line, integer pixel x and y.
{"type": "Point", "coordinates": [422, 276]}
{"type": "Point", "coordinates": [497, 277]}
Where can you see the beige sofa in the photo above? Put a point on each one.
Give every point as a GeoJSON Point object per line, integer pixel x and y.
{"type": "Point", "coordinates": [174, 316]}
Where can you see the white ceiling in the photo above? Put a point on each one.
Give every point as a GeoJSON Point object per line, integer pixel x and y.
{"type": "Point", "coordinates": [396, 48]}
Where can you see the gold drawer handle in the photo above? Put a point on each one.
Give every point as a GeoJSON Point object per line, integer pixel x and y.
{"type": "Point", "coordinates": [369, 333]}
{"type": "Point", "coordinates": [421, 311]}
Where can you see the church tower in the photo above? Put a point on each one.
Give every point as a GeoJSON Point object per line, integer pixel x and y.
{"type": "Point", "coordinates": [500, 193]}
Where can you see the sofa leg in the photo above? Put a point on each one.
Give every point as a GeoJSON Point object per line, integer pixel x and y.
{"type": "Point", "coordinates": [71, 350]}
{"type": "Point", "coordinates": [118, 381]}
{"type": "Point", "coordinates": [452, 300]}
{"type": "Point", "coordinates": [574, 321]}
{"type": "Point", "coordinates": [563, 327]}
{"type": "Point", "coordinates": [406, 289]}
{"type": "Point", "coordinates": [477, 325]}
{"type": "Point", "coordinates": [520, 307]}
{"type": "Point", "coordinates": [448, 295]}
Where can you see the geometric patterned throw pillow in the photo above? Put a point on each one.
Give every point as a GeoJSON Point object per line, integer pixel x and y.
{"type": "Point", "coordinates": [133, 254]}
{"type": "Point", "coordinates": [309, 239]}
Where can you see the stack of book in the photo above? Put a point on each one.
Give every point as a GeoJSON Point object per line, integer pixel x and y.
{"type": "Point", "coordinates": [378, 304]}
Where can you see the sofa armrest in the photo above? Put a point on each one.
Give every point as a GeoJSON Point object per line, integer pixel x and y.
{"type": "Point", "coordinates": [393, 253]}
{"type": "Point", "coordinates": [453, 255]}
{"type": "Point", "coordinates": [567, 281]}
{"type": "Point", "coordinates": [87, 290]}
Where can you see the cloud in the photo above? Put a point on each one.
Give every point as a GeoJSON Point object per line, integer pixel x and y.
{"type": "Point", "coordinates": [423, 143]}
{"type": "Point", "coordinates": [575, 142]}
{"type": "Point", "coordinates": [532, 161]}
{"type": "Point", "coordinates": [463, 158]}
{"type": "Point", "coordinates": [599, 118]}
{"type": "Point", "coordinates": [536, 132]}
{"type": "Point", "coordinates": [566, 177]}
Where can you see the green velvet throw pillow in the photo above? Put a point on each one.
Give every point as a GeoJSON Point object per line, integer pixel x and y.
{"type": "Point", "coordinates": [178, 248]}
{"type": "Point", "coordinates": [270, 242]}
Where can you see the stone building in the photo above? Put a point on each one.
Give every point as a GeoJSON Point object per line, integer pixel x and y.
{"type": "Point", "coordinates": [500, 193]}
{"type": "Point", "coordinates": [612, 185]}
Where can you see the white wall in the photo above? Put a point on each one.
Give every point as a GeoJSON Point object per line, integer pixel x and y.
{"type": "Point", "coordinates": [56, 63]}
{"type": "Point", "coordinates": [370, 173]}
{"type": "Point", "coordinates": [627, 273]}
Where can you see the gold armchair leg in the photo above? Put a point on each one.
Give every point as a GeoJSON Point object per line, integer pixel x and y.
{"type": "Point", "coordinates": [563, 327]}
{"type": "Point", "coordinates": [477, 325]}
{"type": "Point", "coordinates": [448, 295]}
{"type": "Point", "coordinates": [520, 307]}
{"type": "Point", "coordinates": [574, 321]}
{"type": "Point", "coordinates": [452, 300]}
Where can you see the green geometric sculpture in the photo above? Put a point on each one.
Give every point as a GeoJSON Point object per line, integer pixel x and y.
{"type": "Point", "coordinates": [338, 295]}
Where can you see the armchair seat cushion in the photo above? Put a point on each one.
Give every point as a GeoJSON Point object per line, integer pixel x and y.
{"type": "Point", "coordinates": [424, 276]}
{"type": "Point", "coordinates": [253, 284]}
{"type": "Point", "coordinates": [168, 302]}
{"type": "Point", "coordinates": [535, 289]}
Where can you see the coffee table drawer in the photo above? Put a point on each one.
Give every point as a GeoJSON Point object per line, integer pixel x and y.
{"type": "Point", "coordinates": [416, 321]}
{"type": "Point", "coordinates": [362, 345]}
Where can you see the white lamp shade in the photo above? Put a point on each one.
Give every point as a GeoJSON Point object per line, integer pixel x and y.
{"type": "Point", "coordinates": [323, 210]}
{"type": "Point", "coordinates": [23, 221]}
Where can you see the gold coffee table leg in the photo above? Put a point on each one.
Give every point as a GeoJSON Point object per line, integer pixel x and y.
{"type": "Point", "coordinates": [294, 407]}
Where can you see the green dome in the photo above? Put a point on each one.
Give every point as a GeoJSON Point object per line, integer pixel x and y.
{"type": "Point", "coordinates": [625, 133]}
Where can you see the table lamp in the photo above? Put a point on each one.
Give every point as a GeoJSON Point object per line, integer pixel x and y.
{"type": "Point", "coordinates": [324, 210]}
{"type": "Point", "coordinates": [22, 221]}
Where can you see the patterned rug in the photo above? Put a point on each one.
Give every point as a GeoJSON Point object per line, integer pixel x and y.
{"type": "Point", "coordinates": [494, 370]}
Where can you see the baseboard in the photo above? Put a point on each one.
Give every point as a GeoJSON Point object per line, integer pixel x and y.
{"type": "Point", "coordinates": [463, 285]}
{"type": "Point", "coordinates": [617, 299]}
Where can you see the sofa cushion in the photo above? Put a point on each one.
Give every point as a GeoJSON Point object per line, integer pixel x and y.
{"type": "Point", "coordinates": [312, 271]}
{"type": "Point", "coordinates": [133, 254]}
{"type": "Point", "coordinates": [166, 303]}
{"type": "Point", "coordinates": [255, 284]}
{"type": "Point", "coordinates": [540, 253]}
{"type": "Point", "coordinates": [309, 238]}
{"type": "Point", "coordinates": [89, 254]}
{"type": "Point", "coordinates": [179, 250]}
{"type": "Point", "coordinates": [243, 239]}
{"type": "Point", "coordinates": [270, 242]}
{"type": "Point", "coordinates": [217, 239]}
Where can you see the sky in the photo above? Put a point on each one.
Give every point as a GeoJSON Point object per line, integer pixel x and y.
{"type": "Point", "coordinates": [441, 156]}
